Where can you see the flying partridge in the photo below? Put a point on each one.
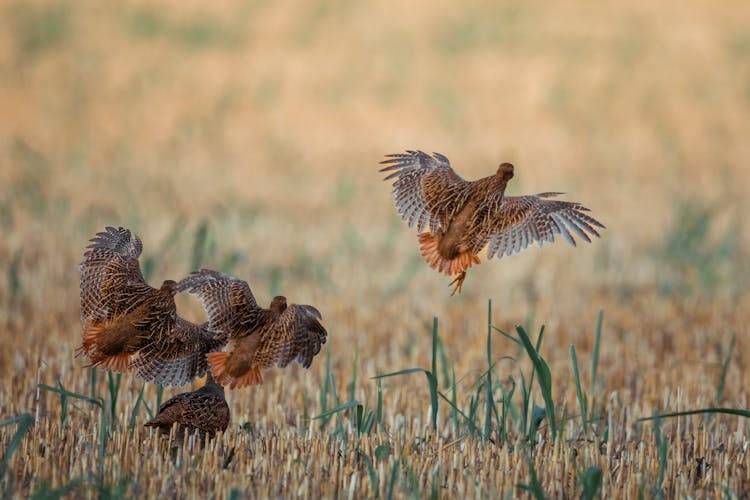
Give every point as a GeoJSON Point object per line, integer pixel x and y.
{"type": "Point", "coordinates": [257, 338]}
{"type": "Point", "coordinates": [128, 324]}
{"type": "Point", "coordinates": [462, 217]}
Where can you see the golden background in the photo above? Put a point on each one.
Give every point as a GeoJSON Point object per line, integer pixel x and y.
{"type": "Point", "coordinates": [246, 136]}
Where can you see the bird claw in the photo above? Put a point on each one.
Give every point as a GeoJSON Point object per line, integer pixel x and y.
{"type": "Point", "coordinates": [459, 281]}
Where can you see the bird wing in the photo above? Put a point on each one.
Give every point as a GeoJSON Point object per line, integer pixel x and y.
{"type": "Point", "coordinates": [511, 223]}
{"type": "Point", "coordinates": [427, 190]}
{"type": "Point", "coordinates": [296, 334]}
{"type": "Point", "coordinates": [229, 302]}
{"type": "Point", "coordinates": [111, 278]}
{"type": "Point", "coordinates": [179, 356]}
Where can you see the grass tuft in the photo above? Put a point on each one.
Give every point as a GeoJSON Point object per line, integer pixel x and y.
{"type": "Point", "coordinates": [24, 421]}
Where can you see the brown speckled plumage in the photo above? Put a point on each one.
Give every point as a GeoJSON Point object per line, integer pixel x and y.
{"type": "Point", "coordinates": [204, 411]}
{"type": "Point", "coordinates": [463, 217]}
{"type": "Point", "coordinates": [257, 338]}
{"type": "Point", "coordinates": [128, 324]}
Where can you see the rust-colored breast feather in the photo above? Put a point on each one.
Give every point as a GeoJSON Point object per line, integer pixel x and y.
{"type": "Point", "coordinates": [463, 217]}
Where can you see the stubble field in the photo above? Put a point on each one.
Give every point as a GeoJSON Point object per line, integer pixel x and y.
{"type": "Point", "coordinates": [246, 136]}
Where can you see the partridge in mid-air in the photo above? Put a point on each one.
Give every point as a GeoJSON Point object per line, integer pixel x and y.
{"type": "Point", "coordinates": [462, 217]}
{"type": "Point", "coordinates": [204, 411]}
{"type": "Point", "coordinates": [128, 324]}
{"type": "Point", "coordinates": [257, 338]}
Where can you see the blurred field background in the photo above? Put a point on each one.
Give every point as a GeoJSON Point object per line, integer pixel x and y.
{"type": "Point", "coordinates": [246, 136]}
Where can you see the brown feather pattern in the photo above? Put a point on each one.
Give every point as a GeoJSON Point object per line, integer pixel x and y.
{"type": "Point", "coordinates": [204, 411]}
{"type": "Point", "coordinates": [258, 338]}
{"type": "Point", "coordinates": [127, 319]}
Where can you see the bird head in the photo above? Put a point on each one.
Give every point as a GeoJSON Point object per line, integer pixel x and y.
{"type": "Point", "coordinates": [278, 304]}
{"type": "Point", "coordinates": [169, 286]}
{"type": "Point", "coordinates": [505, 171]}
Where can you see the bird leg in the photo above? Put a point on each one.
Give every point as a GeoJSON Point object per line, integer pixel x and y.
{"type": "Point", "coordinates": [458, 281]}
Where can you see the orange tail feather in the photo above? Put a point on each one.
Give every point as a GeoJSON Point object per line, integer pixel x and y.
{"type": "Point", "coordinates": [218, 364]}
{"type": "Point", "coordinates": [91, 332]}
{"type": "Point", "coordinates": [117, 363]}
{"type": "Point", "coordinates": [252, 377]}
{"type": "Point", "coordinates": [428, 246]}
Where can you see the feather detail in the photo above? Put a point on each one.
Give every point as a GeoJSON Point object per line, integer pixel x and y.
{"type": "Point", "coordinates": [428, 245]}
{"type": "Point", "coordinates": [252, 377]}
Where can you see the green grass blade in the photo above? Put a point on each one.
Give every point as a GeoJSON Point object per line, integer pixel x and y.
{"type": "Point", "coordinates": [337, 409]}
{"type": "Point", "coordinates": [45, 493]}
{"type": "Point", "coordinates": [401, 372]}
{"type": "Point", "coordinates": [525, 401]}
{"type": "Point", "coordinates": [159, 396]}
{"type": "Point", "coordinates": [97, 401]}
{"type": "Point", "coordinates": [92, 382]}
{"type": "Point", "coordinates": [443, 363]}
{"type": "Point", "coordinates": [591, 483]}
{"type": "Point", "coordinates": [148, 410]}
{"type": "Point", "coordinates": [371, 474]}
{"type": "Point", "coordinates": [507, 335]}
{"type": "Point", "coordinates": [24, 421]}
{"type": "Point", "coordinates": [432, 376]}
{"type": "Point", "coordinates": [324, 389]}
{"type": "Point", "coordinates": [113, 383]}
{"type": "Point", "coordinates": [489, 400]}
{"type": "Point", "coordinates": [63, 404]}
{"type": "Point", "coordinates": [339, 418]}
{"type": "Point", "coordinates": [136, 407]}
{"type": "Point", "coordinates": [545, 377]}
{"type": "Point", "coordinates": [579, 392]}
{"type": "Point", "coordinates": [456, 412]}
{"type": "Point", "coordinates": [702, 411]}
{"type": "Point", "coordinates": [595, 354]}
{"type": "Point", "coordinates": [454, 400]}
{"type": "Point", "coordinates": [379, 411]}
{"type": "Point", "coordinates": [392, 481]}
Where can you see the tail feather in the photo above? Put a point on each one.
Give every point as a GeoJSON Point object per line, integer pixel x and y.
{"type": "Point", "coordinates": [117, 363]}
{"type": "Point", "coordinates": [91, 332]}
{"type": "Point", "coordinates": [252, 377]}
{"type": "Point", "coordinates": [218, 364]}
{"type": "Point", "coordinates": [428, 245]}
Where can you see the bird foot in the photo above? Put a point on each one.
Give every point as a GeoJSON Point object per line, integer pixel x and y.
{"type": "Point", "coordinates": [459, 281]}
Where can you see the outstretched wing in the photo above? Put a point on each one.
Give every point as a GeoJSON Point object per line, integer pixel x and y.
{"type": "Point", "coordinates": [511, 223]}
{"type": "Point", "coordinates": [296, 334]}
{"type": "Point", "coordinates": [427, 190]}
{"type": "Point", "coordinates": [111, 278]}
{"type": "Point", "coordinates": [179, 356]}
{"type": "Point", "coordinates": [229, 302]}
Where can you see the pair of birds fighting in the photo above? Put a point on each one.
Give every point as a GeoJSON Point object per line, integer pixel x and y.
{"type": "Point", "coordinates": [131, 325]}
